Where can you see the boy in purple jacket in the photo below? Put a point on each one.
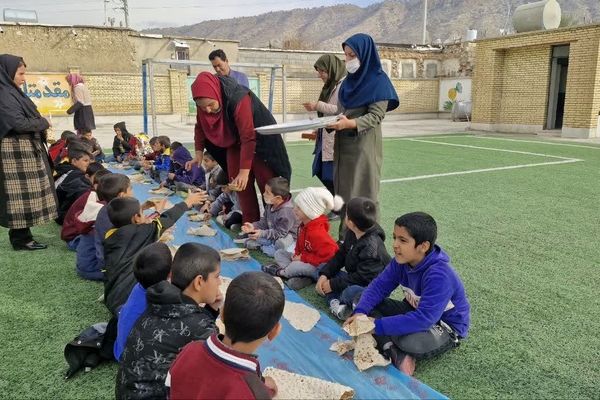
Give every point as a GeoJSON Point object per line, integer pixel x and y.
{"type": "Point", "coordinates": [435, 312]}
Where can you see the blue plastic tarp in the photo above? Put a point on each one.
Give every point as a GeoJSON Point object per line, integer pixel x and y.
{"type": "Point", "coordinates": [306, 353]}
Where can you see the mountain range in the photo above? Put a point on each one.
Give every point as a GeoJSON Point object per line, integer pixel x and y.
{"type": "Point", "coordinates": [390, 21]}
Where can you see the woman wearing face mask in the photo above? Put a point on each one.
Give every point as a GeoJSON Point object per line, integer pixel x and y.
{"type": "Point", "coordinates": [227, 114]}
{"type": "Point", "coordinates": [27, 195]}
{"type": "Point", "coordinates": [331, 70]}
{"type": "Point", "coordinates": [365, 96]}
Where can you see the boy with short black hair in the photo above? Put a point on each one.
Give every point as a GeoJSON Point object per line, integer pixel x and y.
{"type": "Point", "coordinates": [435, 313]}
{"type": "Point", "coordinates": [212, 170]}
{"type": "Point", "coordinates": [131, 233]}
{"type": "Point", "coordinates": [70, 181]}
{"type": "Point", "coordinates": [162, 162]}
{"type": "Point", "coordinates": [58, 149]}
{"type": "Point", "coordinates": [152, 265]}
{"type": "Point", "coordinates": [226, 208]}
{"type": "Point", "coordinates": [278, 227]}
{"type": "Point", "coordinates": [97, 152]}
{"type": "Point", "coordinates": [362, 256]}
{"type": "Point", "coordinates": [225, 367]}
{"type": "Point", "coordinates": [72, 227]}
{"type": "Point", "coordinates": [172, 319]}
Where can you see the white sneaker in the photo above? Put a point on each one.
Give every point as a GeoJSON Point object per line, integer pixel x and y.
{"type": "Point", "coordinates": [341, 311]}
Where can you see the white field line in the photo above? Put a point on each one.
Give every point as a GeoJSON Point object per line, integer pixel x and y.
{"type": "Point", "coordinates": [492, 149]}
{"type": "Point", "coordinates": [471, 171]}
{"type": "Point", "coordinates": [581, 146]}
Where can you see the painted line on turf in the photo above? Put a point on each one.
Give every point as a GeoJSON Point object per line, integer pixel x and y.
{"type": "Point", "coordinates": [468, 146]}
{"type": "Point", "coordinates": [581, 146]}
{"type": "Point", "coordinates": [471, 171]}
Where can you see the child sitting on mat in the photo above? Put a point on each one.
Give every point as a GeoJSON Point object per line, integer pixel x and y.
{"type": "Point", "coordinates": [314, 246]}
{"type": "Point", "coordinates": [278, 227]}
{"type": "Point", "coordinates": [435, 312]}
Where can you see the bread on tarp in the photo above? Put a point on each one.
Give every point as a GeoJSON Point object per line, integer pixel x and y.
{"type": "Point", "coordinates": [234, 254]}
{"type": "Point", "coordinates": [295, 386]}
{"type": "Point", "coordinates": [343, 346]}
{"type": "Point", "coordinates": [301, 316]}
{"type": "Point", "coordinates": [204, 230]}
{"type": "Point", "coordinates": [366, 354]}
{"type": "Point", "coordinates": [361, 324]}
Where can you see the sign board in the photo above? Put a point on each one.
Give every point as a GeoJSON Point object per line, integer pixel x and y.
{"type": "Point", "coordinates": [50, 92]}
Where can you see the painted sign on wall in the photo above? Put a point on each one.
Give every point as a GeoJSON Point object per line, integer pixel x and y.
{"type": "Point", "coordinates": [452, 90]}
{"type": "Point", "coordinates": [50, 92]}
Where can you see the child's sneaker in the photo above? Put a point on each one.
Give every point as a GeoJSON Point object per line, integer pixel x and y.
{"type": "Point", "coordinates": [252, 244]}
{"type": "Point", "coordinates": [298, 283]}
{"type": "Point", "coordinates": [271, 269]}
{"type": "Point", "coordinates": [341, 311]}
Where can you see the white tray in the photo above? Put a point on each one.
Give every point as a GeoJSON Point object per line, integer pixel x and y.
{"type": "Point", "coordinates": [296, 126]}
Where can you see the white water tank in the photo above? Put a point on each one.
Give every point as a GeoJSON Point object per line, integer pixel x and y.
{"type": "Point", "coordinates": [471, 35]}
{"type": "Point", "coordinates": [541, 15]}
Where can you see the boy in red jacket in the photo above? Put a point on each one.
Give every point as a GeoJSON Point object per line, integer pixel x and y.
{"type": "Point", "coordinates": [314, 246]}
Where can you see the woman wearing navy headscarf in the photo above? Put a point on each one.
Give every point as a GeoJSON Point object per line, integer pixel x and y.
{"type": "Point", "coordinates": [365, 96]}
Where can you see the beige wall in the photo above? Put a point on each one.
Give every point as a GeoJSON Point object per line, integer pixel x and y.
{"type": "Point", "coordinates": [511, 81]}
{"type": "Point", "coordinates": [56, 48]}
{"type": "Point", "coordinates": [48, 48]}
{"type": "Point", "coordinates": [416, 95]}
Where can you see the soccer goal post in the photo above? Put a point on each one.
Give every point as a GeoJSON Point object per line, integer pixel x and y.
{"type": "Point", "coordinates": [149, 90]}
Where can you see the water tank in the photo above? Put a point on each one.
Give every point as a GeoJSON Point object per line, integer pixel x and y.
{"type": "Point", "coordinates": [471, 35]}
{"type": "Point", "coordinates": [541, 15]}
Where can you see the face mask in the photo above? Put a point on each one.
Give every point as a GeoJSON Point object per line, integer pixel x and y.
{"type": "Point", "coordinates": [353, 65]}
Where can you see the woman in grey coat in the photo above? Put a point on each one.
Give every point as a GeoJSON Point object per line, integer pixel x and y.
{"type": "Point", "coordinates": [365, 96]}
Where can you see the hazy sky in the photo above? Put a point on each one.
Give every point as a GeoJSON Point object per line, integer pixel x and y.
{"type": "Point", "coordinates": [159, 13]}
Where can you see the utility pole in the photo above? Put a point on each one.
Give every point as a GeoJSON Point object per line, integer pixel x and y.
{"type": "Point", "coordinates": [125, 8]}
{"type": "Point", "coordinates": [105, 14]}
{"type": "Point", "coordinates": [424, 39]}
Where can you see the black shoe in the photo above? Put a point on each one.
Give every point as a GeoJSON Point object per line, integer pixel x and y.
{"type": "Point", "coordinates": [33, 245]}
{"type": "Point", "coordinates": [271, 269]}
{"type": "Point", "coordinates": [298, 283]}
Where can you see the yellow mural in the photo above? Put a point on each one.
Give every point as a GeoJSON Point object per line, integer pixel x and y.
{"type": "Point", "coordinates": [50, 92]}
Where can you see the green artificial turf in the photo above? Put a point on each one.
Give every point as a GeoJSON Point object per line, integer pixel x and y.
{"type": "Point", "coordinates": [523, 240]}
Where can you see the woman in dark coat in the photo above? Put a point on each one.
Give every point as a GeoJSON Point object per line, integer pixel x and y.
{"type": "Point", "coordinates": [27, 194]}
{"type": "Point", "coordinates": [227, 116]}
{"type": "Point", "coordinates": [83, 120]}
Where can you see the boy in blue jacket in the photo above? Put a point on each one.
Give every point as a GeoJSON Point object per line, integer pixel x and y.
{"type": "Point", "coordinates": [435, 312]}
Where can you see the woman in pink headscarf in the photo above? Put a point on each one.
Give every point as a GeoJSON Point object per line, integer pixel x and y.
{"type": "Point", "coordinates": [82, 105]}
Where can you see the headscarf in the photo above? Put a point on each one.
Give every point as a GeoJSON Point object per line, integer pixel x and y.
{"type": "Point", "coordinates": [9, 92]}
{"type": "Point", "coordinates": [123, 128]}
{"type": "Point", "coordinates": [369, 84]}
{"type": "Point", "coordinates": [74, 79]}
{"type": "Point", "coordinates": [181, 156]}
{"type": "Point", "coordinates": [208, 86]}
{"type": "Point", "coordinates": [335, 71]}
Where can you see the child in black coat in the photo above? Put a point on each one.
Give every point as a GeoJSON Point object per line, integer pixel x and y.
{"type": "Point", "coordinates": [362, 255]}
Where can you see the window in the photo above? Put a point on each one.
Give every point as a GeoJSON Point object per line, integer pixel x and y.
{"type": "Point", "coordinates": [182, 53]}
{"type": "Point", "coordinates": [431, 70]}
{"type": "Point", "coordinates": [408, 70]}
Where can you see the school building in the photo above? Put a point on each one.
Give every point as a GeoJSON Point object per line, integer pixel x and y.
{"type": "Point", "coordinates": [539, 82]}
